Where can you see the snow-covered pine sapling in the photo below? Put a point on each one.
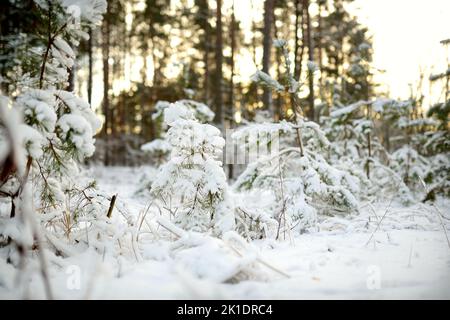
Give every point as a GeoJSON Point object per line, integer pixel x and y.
{"type": "Point", "coordinates": [303, 185]}
{"type": "Point", "coordinates": [192, 185]}
{"type": "Point", "coordinates": [58, 126]}
{"type": "Point", "coordinates": [160, 148]}
{"type": "Point", "coordinates": [290, 85]}
{"type": "Point", "coordinates": [408, 160]}
{"type": "Point", "coordinates": [356, 147]}
{"type": "Point", "coordinates": [354, 122]}
{"type": "Point", "coordinates": [341, 124]}
{"type": "Point", "coordinates": [303, 182]}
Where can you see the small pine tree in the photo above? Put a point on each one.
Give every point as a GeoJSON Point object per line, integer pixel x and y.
{"type": "Point", "coordinates": [192, 184]}
{"type": "Point", "coordinates": [304, 182]}
{"type": "Point", "coordinates": [58, 126]}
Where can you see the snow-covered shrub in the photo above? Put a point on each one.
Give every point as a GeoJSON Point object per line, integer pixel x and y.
{"type": "Point", "coordinates": [192, 184]}
{"type": "Point", "coordinates": [303, 186]}
{"type": "Point", "coordinates": [160, 148]}
{"type": "Point", "coordinates": [356, 146]}
{"type": "Point", "coordinates": [254, 213]}
{"type": "Point", "coordinates": [200, 110]}
{"type": "Point", "coordinates": [57, 131]}
{"type": "Point", "coordinates": [414, 155]}
{"type": "Point", "coordinates": [437, 147]}
{"type": "Point", "coordinates": [303, 182]}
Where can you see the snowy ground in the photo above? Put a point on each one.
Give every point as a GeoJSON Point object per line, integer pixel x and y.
{"type": "Point", "coordinates": [407, 258]}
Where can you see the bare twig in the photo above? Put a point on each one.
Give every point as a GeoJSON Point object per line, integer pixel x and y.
{"type": "Point", "coordinates": [111, 205]}
{"type": "Point", "coordinates": [438, 212]}
{"type": "Point", "coordinates": [380, 221]}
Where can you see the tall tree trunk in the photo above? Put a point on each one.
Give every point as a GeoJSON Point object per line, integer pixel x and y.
{"type": "Point", "coordinates": [204, 11]}
{"type": "Point", "coordinates": [447, 74]}
{"type": "Point", "coordinates": [206, 76]}
{"type": "Point", "coordinates": [267, 46]}
{"type": "Point", "coordinates": [233, 48]}
{"type": "Point", "coordinates": [369, 143]}
{"type": "Point", "coordinates": [320, 57]}
{"type": "Point", "coordinates": [253, 31]}
{"type": "Point", "coordinates": [279, 97]}
{"type": "Point", "coordinates": [219, 58]}
{"type": "Point", "coordinates": [143, 98]}
{"type": "Point", "coordinates": [297, 57]}
{"type": "Point", "coordinates": [105, 53]}
{"type": "Point", "coordinates": [309, 43]}
{"type": "Point", "coordinates": [147, 114]}
{"type": "Point", "coordinates": [91, 66]}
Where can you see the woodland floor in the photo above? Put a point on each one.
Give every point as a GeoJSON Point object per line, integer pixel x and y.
{"type": "Point", "coordinates": [408, 256]}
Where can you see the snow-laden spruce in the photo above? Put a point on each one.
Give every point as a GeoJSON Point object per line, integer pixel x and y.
{"type": "Point", "coordinates": [53, 133]}
{"type": "Point", "coordinates": [192, 185]}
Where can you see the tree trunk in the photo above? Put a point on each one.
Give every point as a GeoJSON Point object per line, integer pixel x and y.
{"type": "Point", "coordinates": [279, 97]}
{"type": "Point", "coordinates": [233, 48]}
{"type": "Point", "coordinates": [369, 143]}
{"type": "Point", "coordinates": [297, 57]}
{"type": "Point", "coordinates": [91, 66]}
{"type": "Point", "coordinates": [155, 83]}
{"type": "Point", "coordinates": [320, 56]}
{"type": "Point", "coordinates": [143, 97]}
{"type": "Point", "coordinates": [310, 45]}
{"type": "Point", "coordinates": [219, 58]}
{"type": "Point", "coordinates": [206, 76]}
{"type": "Point", "coordinates": [267, 46]}
{"type": "Point", "coordinates": [253, 31]}
{"type": "Point", "coordinates": [447, 74]}
{"type": "Point", "coordinates": [105, 53]}
{"type": "Point", "coordinates": [205, 15]}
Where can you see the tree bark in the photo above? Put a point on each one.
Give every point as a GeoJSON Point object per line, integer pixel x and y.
{"type": "Point", "coordinates": [204, 12]}
{"type": "Point", "coordinates": [91, 66]}
{"type": "Point", "coordinates": [219, 59]}
{"type": "Point", "coordinates": [278, 105]}
{"type": "Point", "coordinates": [267, 46]}
{"type": "Point", "coordinates": [297, 57]}
{"type": "Point", "coordinates": [310, 58]}
{"type": "Point", "coordinates": [253, 30]}
{"type": "Point", "coordinates": [233, 48]}
{"type": "Point", "coordinates": [105, 53]}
